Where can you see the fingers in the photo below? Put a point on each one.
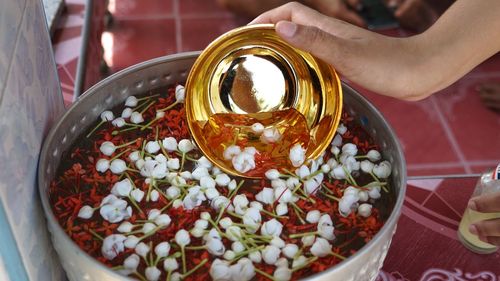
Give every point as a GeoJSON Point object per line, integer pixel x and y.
{"type": "Point", "coordinates": [488, 203]}
{"type": "Point", "coordinates": [292, 11]}
{"type": "Point", "coordinates": [488, 231]}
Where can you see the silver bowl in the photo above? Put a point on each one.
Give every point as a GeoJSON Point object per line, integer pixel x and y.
{"type": "Point", "coordinates": [164, 71]}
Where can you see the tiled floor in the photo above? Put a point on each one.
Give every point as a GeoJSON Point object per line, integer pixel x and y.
{"type": "Point", "coordinates": [448, 133]}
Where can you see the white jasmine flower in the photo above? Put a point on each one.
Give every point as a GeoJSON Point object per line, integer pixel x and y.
{"type": "Point", "coordinates": [350, 149]}
{"type": "Point", "coordinates": [154, 195]}
{"type": "Point", "coordinates": [299, 261]}
{"type": "Point", "coordinates": [176, 276]}
{"type": "Point", "coordinates": [153, 214]}
{"type": "Point", "coordinates": [122, 188]}
{"type": "Point", "coordinates": [270, 135]}
{"type": "Point", "coordinates": [201, 223]}
{"type": "Point", "coordinates": [114, 210]}
{"type": "Point", "coordinates": [365, 210]}
{"type": "Point", "coordinates": [134, 155]}
{"type": "Point", "coordinates": [199, 172]}
{"type": "Point", "coordinates": [140, 163]}
{"type": "Point", "coordinates": [308, 240]}
{"type": "Point", "coordinates": [219, 270]}
{"type": "Point", "coordinates": [281, 209]}
{"type": "Point", "coordinates": [313, 216]}
{"type": "Point", "coordinates": [367, 166]}
{"type": "Point", "coordinates": [118, 166]}
{"type": "Point", "coordinates": [373, 155]}
{"type": "Point", "coordinates": [204, 162]}
{"type": "Point", "coordinates": [311, 186]}
{"type": "Point", "coordinates": [229, 255]}
{"type": "Point", "coordinates": [152, 273]}
{"type": "Point", "coordinates": [347, 203]}
{"type": "Point", "coordinates": [86, 212]}
{"type": "Point", "coordinates": [112, 245]}
{"type": "Point", "coordinates": [182, 238]}
{"type": "Point", "coordinates": [382, 170]}
{"type": "Point", "coordinates": [131, 101]}
{"type": "Point", "coordinates": [160, 114]}
{"type": "Point", "coordinates": [136, 117]}
{"type": "Point", "coordinates": [102, 165]}
{"type": "Point", "coordinates": [234, 233]}
{"type": "Point", "coordinates": [257, 205]}
{"type": "Point", "coordinates": [177, 204]}
{"type": "Point", "coordinates": [337, 141]}
{"type": "Point", "coordinates": [231, 151]}
{"type": "Point", "coordinates": [290, 250]}
{"type": "Point", "coordinates": [185, 146]}
{"type": "Point", "coordinates": [177, 181]}
{"type": "Point", "coordinates": [127, 112]}
{"type": "Point", "coordinates": [335, 150]}
{"type": "Point", "coordinates": [278, 242]}
{"type": "Point", "coordinates": [180, 93]}
{"type": "Point", "coordinates": [170, 144]}
{"type": "Point", "coordinates": [321, 248]}
{"type": "Point", "coordinates": [272, 174]}
{"type": "Point", "coordinates": [237, 247]}
{"type": "Point", "coordinates": [363, 196]}
{"type": "Point", "coordinates": [186, 175]}
{"type": "Point", "coordinates": [197, 232]}
{"type": "Point", "coordinates": [341, 129]}
{"type": "Point", "coordinates": [173, 164]}
{"type": "Point", "coordinates": [351, 190]}
{"type": "Point", "coordinates": [255, 256]}
{"type": "Point", "coordinates": [271, 228]}
{"type": "Point", "coordinates": [194, 198]}
{"type": "Point", "coordinates": [292, 182]}
{"type": "Point", "coordinates": [338, 173]}
{"type": "Point", "coordinates": [278, 183]}
{"type": "Point", "coordinates": [215, 247]}
{"type": "Point", "coordinates": [107, 148]}
{"type": "Point", "coordinates": [131, 242]}
{"type": "Point", "coordinates": [222, 180]}
{"type": "Point", "coordinates": [170, 264]}
{"type": "Point", "coordinates": [205, 216]}
{"type": "Point", "coordinates": [125, 227]}
{"type": "Point", "coordinates": [118, 122]}
{"type": "Point", "coordinates": [243, 162]}
{"type": "Point", "coordinates": [226, 222]}
{"type": "Point", "coordinates": [374, 192]}
{"type": "Point", "coordinates": [163, 220]}
{"type": "Point", "coordinates": [162, 249]}
{"type": "Point", "coordinates": [266, 196]}
{"type": "Point", "coordinates": [282, 273]}
{"type": "Point", "coordinates": [154, 169]}
{"type": "Point", "coordinates": [297, 155]}
{"type": "Point", "coordinates": [220, 202]}
{"type": "Point", "coordinates": [252, 219]}
{"type": "Point", "coordinates": [243, 270]}
{"type": "Point", "coordinates": [257, 128]}
{"type": "Point", "coordinates": [332, 163]}
{"type": "Point", "coordinates": [207, 182]}
{"type": "Point", "coordinates": [325, 227]}
{"type": "Point", "coordinates": [152, 147]}
{"type": "Point", "coordinates": [270, 254]}
{"type": "Point", "coordinates": [232, 185]}
{"type": "Point", "coordinates": [303, 172]}
{"type": "Point", "coordinates": [148, 227]}
{"type": "Point", "coordinates": [240, 203]}
{"type": "Point", "coordinates": [137, 194]}
{"type": "Point", "coordinates": [250, 150]}
{"type": "Point", "coordinates": [216, 170]}
{"type": "Point", "coordinates": [325, 168]}
{"type": "Point", "coordinates": [132, 262]}
{"type": "Point", "coordinates": [107, 116]}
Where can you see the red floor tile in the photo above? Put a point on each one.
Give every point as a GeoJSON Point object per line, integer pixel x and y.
{"type": "Point", "coordinates": [62, 34]}
{"type": "Point", "coordinates": [141, 9]}
{"type": "Point", "coordinates": [197, 7]}
{"type": "Point", "coordinates": [418, 129]}
{"type": "Point", "coordinates": [198, 33]}
{"type": "Point", "coordinates": [476, 129]}
{"type": "Point", "coordinates": [435, 169]}
{"type": "Point", "coordinates": [139, 40]}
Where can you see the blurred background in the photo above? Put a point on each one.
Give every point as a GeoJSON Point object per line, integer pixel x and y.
{"type": "Point", "coordinates": [451, 132]}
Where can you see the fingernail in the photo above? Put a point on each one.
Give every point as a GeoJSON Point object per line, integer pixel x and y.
{"type": "Point", "coordinates": [472, 205]}
{"type": "Point", "coordinates": [473, 229]}
{"type": "Point", "coordinates": [286, 28]}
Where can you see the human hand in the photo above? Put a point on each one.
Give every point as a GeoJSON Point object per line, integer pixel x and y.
{"type": "Point", "coordinates": [488, 230]}
{"type": "Point", "coordinates": [369, 59]}
{"type": "Point", "coordinates": [340, 9]}
{"type": "Point", "coordinates": [416, 15]}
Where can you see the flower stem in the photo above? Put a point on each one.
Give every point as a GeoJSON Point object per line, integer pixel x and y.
{"type": "Point", "coordinates": [265, 274]}
{"type": "Point", "coordinates": [308, 262]}
{"type": "Point", "coordinates": [168, 107]}
{"type": "Point", "coordinates": [198, 266]}
{"type": "Point", "coordinates": [196, 248]}
{"type": "Point", "coordinates": [96, 235]}
{"type": "Point", "coordinates": [337, 255]}
{"type": "Point", "coordinates": [298, 235]}
{"type": "Point", "coordinates": [95, 128]}
{"type": "Point", "coordinates": [183, 255]}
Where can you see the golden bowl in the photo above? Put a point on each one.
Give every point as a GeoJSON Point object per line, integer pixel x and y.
{"type": "Point", "coordinates": [250, 72]}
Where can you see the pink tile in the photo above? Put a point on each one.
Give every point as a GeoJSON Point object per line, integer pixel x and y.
{"type": "Point", "coordinates": [198, 33]}
{"type": "Point", "coordinates": [418, 128]}
{"type": "Point", "coordinates": [481, 168]}
{"type": "Point", "coordinates": [417, 194]}
{"type": "Point", "coordinates": [475, 128]}
{"type": "Point", "coordinates": [135, 41]}
{"type": "Point", "coordinates": [196, 7]}
{"type": "Point", "coordinates": [436, 169]}
{"type": "Point", "coordinates": [142, 9]}
{"type": "Point", "coordinates": [441, 206]}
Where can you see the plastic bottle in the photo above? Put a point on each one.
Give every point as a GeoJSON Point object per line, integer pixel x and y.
{"type": "Point", "coordinates": [488, 183]}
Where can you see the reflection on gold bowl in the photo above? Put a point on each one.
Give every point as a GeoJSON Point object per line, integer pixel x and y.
{"type": "Point", "coordinates": [251, 71]}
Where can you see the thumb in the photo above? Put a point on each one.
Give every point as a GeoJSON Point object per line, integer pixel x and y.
{"type": "Point", "coordinates": [487, 203]}
{"type": "Point", "coordinates": [311, 39]}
